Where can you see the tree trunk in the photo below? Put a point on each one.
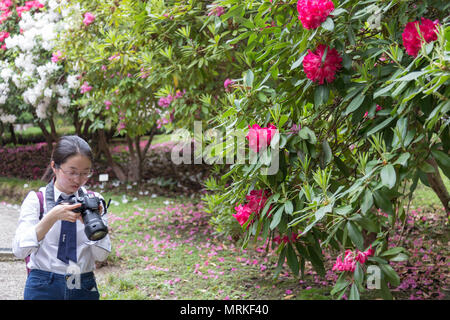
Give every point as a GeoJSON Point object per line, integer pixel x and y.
{"type": "Point", "coordinates": [13, 134]}
{"type": "Point", "coordinates": [134, 172]}
{"type": "Point", "coordinates": [47, 136]}
{"type": "Point", "coordinates": [53, 129]}
{"type": "Point", "coordinates": [2, 129]}
{"type": "Point", "coordinates": [77, 123]}
{"type": "Point", "coordinates": [438, 186]}
{"type": "Point", "coordinates": [103, 146]}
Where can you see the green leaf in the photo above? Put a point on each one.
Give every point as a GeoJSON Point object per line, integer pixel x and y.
{"type": "Point", "coordinates": [277, 217]}
{"type": "Point", "coordinates": [379, 126]}
{"type": "Point", "coordinates": [358, 275]}
{"type": "Point", "coordinates": [366, 223]}
{"type": "Point", "coordinates": [316, 261]}
{"type": "Point", "coordinates": [340, 285]}
{"type": "Point", "coordinates": [248, 78]}
{"type": "Point", "coordinates": [327, 153]}
{"type": "Point", "coordinates": [392, 251]}
{"type": "Point", "coordinates": [390, 274]}
{"type": "Point", "coordinates": [382, 202]}
{"type": "Point", "coordinates": [292, 259]}
{"type": "Point", "coordinates": [411, 76]}
{"type": "Point", "coordinates": [388, 176]}
{"type": "Point", "coordinates": [328, 24]}
{"type": "Point", "coordinates": [442, 159]}
{"type": "Point", "coordinates": [298, 62]}
{"type": "Point", "coordinates": [281, 260]}
{"type": "Point", "coordinates": [288, 207]}
{"type": "Point", "coordinates": [399, 257]}
{"type": "Point", "coordinates": [307, 134]}
{"type": "Point", "coordinates": [354, 293]}
{"type": "Point", "coordinates": [403, 159]}
{"type": "Point", "coordinates": [367, 201]}
{"type": "Point", "coordinates": [355, 104]}
{"type": "Point", "coordinates": [383, 91]}
{"type": "Point", "coordinates": [355, 235]}
{"type": "Point", "coordinates": [321, 95]}
{"type": "Point", "coordinates": [385, 292]}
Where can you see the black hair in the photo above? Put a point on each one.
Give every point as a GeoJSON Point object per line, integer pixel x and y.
{"type": "Point", "coordinates": [66, 147]}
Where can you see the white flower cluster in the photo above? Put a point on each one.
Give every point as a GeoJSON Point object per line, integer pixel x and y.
{"type": "Point", "coordinates": [8, 118]}
{"type": "Point", "coordinates": [31, 74]}
{"type": "Point", "coordinates": [4, 90]}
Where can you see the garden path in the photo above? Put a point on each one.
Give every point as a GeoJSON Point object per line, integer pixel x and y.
{"type": "Point", "coordinates": [12, 270]}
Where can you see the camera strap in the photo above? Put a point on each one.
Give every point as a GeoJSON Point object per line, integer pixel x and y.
{"type": "Point", "coordinates": [50, 195]}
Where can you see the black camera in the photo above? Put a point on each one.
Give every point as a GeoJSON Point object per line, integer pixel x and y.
{"type": "Point", "coordinates": [94, 227]}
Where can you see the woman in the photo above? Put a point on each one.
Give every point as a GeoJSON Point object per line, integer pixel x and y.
{"type": "Point", "coordinates": [61, 257]}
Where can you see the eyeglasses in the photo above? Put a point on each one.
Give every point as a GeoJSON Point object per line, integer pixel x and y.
{"type": "Point", "coordinates": [74, 174]}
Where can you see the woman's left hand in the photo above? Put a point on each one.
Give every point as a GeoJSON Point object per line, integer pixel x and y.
{"type": "Point", "coordinates": [100, 209]}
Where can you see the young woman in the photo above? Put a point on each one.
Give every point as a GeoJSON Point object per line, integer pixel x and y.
{"type": "Point", "coordinates": [61, 257]}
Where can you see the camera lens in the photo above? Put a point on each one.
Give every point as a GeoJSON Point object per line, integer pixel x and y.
{"type": "Point", "coordinates": [98, 235]}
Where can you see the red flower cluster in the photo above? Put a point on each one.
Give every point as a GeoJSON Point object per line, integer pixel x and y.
{"type": "Point", "coordinates": [313, 12]}
{"type": "Point", "coordinates": [411, 38]}
{"type": "Point", "coordinates": [256, 202]}
{"type": "Point", "coordinates": [28, 6]}
{"type": "Point", "coordinates": [292, 238]}
{"type": "Point", "coordinates": [318, 70]}
{"type": "Point", "coordinates": [350, 259]}
{"type": "Point", "coordinates": [259, 138]}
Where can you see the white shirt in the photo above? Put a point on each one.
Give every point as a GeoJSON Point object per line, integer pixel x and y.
{"type": "Point", "coordinates": [43, 254]}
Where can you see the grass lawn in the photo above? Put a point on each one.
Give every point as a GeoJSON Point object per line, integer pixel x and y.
{"type": "Point", "coordinates": [164, 248]}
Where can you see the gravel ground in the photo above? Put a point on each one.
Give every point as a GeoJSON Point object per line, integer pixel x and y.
{"type": "Point", "coordinates": [13, 275]}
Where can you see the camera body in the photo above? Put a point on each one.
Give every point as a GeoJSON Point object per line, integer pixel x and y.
{"type": "Point", "coordinates": [94, 228]}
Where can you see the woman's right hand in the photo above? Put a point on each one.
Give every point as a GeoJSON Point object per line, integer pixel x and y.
{"type": "Point", "coordinates": [65, 212]}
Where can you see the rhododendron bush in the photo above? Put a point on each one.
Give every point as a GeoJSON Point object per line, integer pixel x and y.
{"type": "Point", "coordinates": [358, 93]}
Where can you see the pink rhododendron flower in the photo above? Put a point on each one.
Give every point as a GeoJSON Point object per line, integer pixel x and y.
{"type": "Point", "coordinates": [259, 138]}
{"type": "Point", "coordinates": [227, 83]}
{"type": "Point", "coordinates": [108, 104]}
{"type": "Point", "coordinates": [242, 214]}
{"type": "Point", "coordinates": [376, 110]}
{"type": "Point", "coordinates": [56, 56]}
{"type": "Point", "coordinates": [3, 35]}
{"type": "Point", "coordinates": [165, 101]}
{"type": "Point", "coordinates": [411, 38]}
{"type": "Point", "coordinates": [313, 12]}
{"type": "Point", "coordinates": [318, 70]}
{"type": "Point", "coordinates": [88, 18]}
{"type": "Point", "coordinates": [350, 259]}
{"type": "Point", "coordinates": [217, 11]}
{"type": "Point", "coordinates": [5, 4]}
{"type": "Point", "coordinates": [256, 202]}
{"type": "Point", "coordinates": [286, 239]}
{"type": "Point", "coordinates": [85, 87]}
